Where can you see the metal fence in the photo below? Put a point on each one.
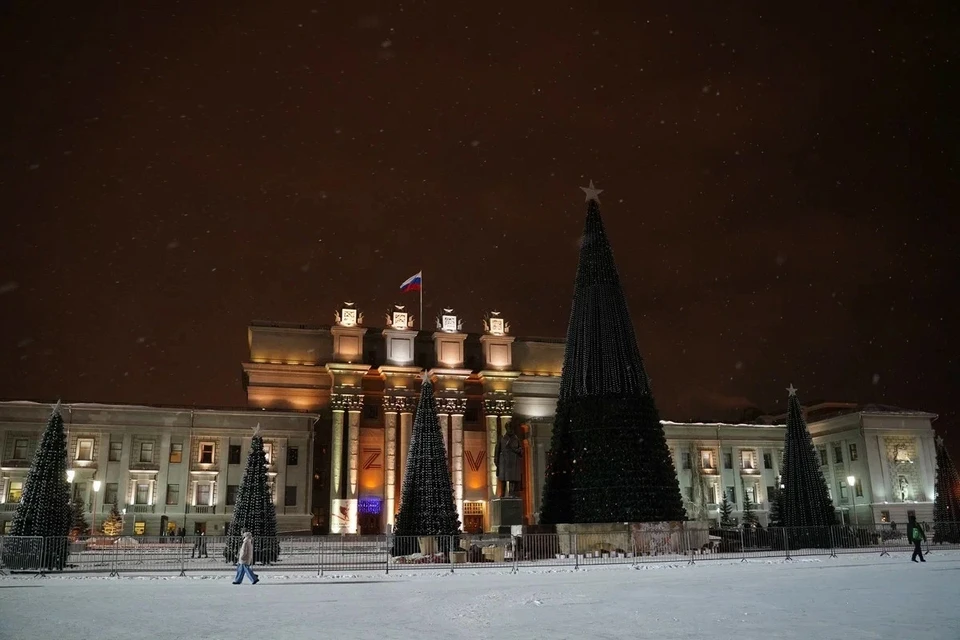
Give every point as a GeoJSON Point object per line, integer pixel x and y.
{"type": "Point", "coordinates": [351, 553]}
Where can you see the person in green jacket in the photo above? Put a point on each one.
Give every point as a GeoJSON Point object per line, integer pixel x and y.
{"type": "Point", "coordinates": [916, 535]}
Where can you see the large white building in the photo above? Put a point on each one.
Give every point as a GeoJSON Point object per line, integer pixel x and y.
{"type": "Point", "coordinates": [337, 402]}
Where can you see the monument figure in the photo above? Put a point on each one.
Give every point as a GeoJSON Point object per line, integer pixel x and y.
{"type": "Point", "coordinates": [507, 455]}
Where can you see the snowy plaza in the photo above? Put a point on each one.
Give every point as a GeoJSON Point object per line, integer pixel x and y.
{"type": "Point", "coordinates": [850, 597]}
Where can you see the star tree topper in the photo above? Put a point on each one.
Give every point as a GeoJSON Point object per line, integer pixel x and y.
{"type": "Point", "coordinates": [592, 193]}
{"type": "Point", "coordinates": [792, 391]}
{"type": "Point", "coordinates": [257, 431]}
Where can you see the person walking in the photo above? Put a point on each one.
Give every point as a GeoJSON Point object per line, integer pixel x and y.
{"type": "Point", "coordinates": [916, 535]}
{"type": "Point", "coordinates": [245, 559]}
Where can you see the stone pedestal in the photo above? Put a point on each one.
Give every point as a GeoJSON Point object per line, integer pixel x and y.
{"type": "Point", "coordinates": [506, 512]}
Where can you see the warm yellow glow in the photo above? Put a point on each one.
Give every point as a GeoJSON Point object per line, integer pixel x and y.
{"type": "Point", "coordinates": [96, 486]}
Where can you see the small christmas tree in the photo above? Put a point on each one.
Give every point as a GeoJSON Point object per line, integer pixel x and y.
{"type": "Point", "coordinates": [726, 513]}
{"type": "Point", "coordinates": [113, 525]}
{"type": "Point", "coordinates": [608, 459]}
{"type": "Point", "coordinates": [946, 501]}
{"type": "Point", "coordinates": [748, 515]}
{"type": "Point", "coordinates": [254, 510]}
{"type": "Point", "coordinates": [805, 501]}
{"type": "Point", "coordinates": [774, 497]}
{"type": "Point", "coordinates": [79, 526]}
{"type": "Point", "coordinates": [427, 507]}
{"type": "Point", "coordinates": [44, 509]}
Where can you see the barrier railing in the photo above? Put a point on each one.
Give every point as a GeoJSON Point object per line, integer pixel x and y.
{"type": "Point", "coordinates": [349, 553]}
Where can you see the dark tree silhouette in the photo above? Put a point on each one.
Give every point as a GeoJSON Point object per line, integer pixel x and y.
{"type": "Point", "coordinates": [254, 510]}
{"type": "Point", "coordinates": [608, 459]}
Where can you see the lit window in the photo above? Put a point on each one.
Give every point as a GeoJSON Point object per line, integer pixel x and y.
{"type": "Point", "coordinates": [176, 452]}
{"type": "Point", "coordinates": [706, 459]}
{"type": "Point", "coordinates": [146, 452]}
{"type": "Point", "coordinates": [203, 495]}
{"type": "Point", "coordinates": [207, 450]}
{"type": "Point", "coordinates": [85, 449]}
{"type": "Point", "coordinates": [20, 449]}
{"type": "Point", "coordinates": [746, 460]}
{"type": "Point", "coordinates": [859, 488]}
{"type": "Point", "coordinates": [15, 491]}
{"type": "Point", "coordinates": [268, 452]}
{"type": "Point", "coordinates": [751, 493]}
{"type": "Point", "coordinates": [142, 495]}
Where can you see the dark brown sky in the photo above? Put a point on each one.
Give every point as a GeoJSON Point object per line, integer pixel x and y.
{"type": "Point", "coordinates": [780, 187]}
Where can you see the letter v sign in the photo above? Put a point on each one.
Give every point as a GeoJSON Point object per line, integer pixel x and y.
{"type": "Point", "coordinates": [475, 461]}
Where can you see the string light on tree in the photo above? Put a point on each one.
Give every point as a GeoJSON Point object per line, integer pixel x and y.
{"type": "Point", "coordinates": [608, 460]}
{"type": "Point", "coordinates": [803, 500]}
{"type": "Point", "coordinates": [44, 509]}
{"type": "Point", "coordinates": [254, 510]}
{"type": "Point", "coordinates": [427, 506]}
{"type": "Point", "coordinates": [946, 501]}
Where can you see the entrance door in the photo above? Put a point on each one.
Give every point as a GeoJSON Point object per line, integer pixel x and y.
{"type": "Point", "coordinates": [473, 523]}
{"type": "Point", "coordinates": [369, 524]}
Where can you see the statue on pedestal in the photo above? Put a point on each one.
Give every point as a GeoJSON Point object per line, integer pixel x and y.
{"type": "Point", "coordinates": [507, 456]}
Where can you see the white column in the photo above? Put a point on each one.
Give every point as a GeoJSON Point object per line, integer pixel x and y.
{"type": "Point", "coordinates": [336, 454]}
{"type": "Point", "coordinates": [444, 419]}
{"type": "Point", "coordinates": [493, 435]}
{"type": "Point", "coordinates": [927, 477]}
{"type": "Point", "coordinates": [123, 482]}
{"type": "Point", "coordinates": [456, 461]}
{"type": "Point", "coordinates": [390, 465]}
{"type": "Point", "coordinates": [3, 490]}
{"type": "Point", "coordinates": [353, 435]}
{"type": "Point", "coordinates": [406, 424]}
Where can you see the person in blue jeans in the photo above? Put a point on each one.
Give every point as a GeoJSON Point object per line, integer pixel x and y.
{"type": "Point", "coordinates": [245, 559]}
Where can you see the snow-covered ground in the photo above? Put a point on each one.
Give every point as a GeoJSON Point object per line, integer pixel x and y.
{"type": "Point", "coordinates": [852, 597]}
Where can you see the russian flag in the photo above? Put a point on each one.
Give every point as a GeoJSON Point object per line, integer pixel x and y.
{"type": "Point", "coordinates": [413, 283]}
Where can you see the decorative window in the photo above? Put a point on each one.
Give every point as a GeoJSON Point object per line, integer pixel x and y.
{"type": "Point", "coordinates": [823, 456]}
{"type": "Point", "coordinates": [685, 460]}
{"type": "Point", "coordinates": [843, 491]}
{"type": "Point", "coordinates": [853, 452]}
{"type": "Point", "coordinates": [176, 452]}
{"type": "Point", "coordinates": [750, 492]}
{"type": "Point", "coordinates": [232, 494]}
{"type": "Point", "coordinates": [116, 450]}
{"type": "Point", "coordinates": [858, 488]}
{"type": "Point", "coordinates": [110, 492]}
{"type": "Point", "coordinates": [20, 449]}
{"type": "Point", "coordinates": [746, 460]}
{"type": "Point", "coordinates": [268, 451]}
{"type": "Point", "coordinates": [768, 461]}
{"type": "Point", "coordinates": [84, 448]}
{"type": "Point", "coordinates": [203, 495]}
{"type": "Point", "coordinates": [234, 454]}
{"type": "Point", "coordinates": [884, 516]}
{"type": "Point", "coordinates": [206, 454]}
{"type": "Point", "coordinates": [732, 495]}
{"type": "Point", "coordinates": [142, 493]}
{"type": "Point", "coordinates": [173, 493]}
{"type": "Point", "coordinates": [706, 459]}
{"type": "Point", "coordinates": [146, 452]}
{"type": "Point", "coordinates": [728, 460]}
{"type": "Point", "coordinates": [837, 454]}
{"type": "Point", "coordinates": [293, 456]}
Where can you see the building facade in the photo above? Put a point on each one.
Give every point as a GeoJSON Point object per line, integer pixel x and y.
{"type": "Point", "coordinates": [336, 404]}
{"type": "Point", "coordinates": [165, 469]}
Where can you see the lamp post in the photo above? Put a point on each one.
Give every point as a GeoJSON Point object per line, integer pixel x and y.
{"type": "Point", "coordinates": [852, 481]}
{"type": "Point", "coordinates": [93, 508]}
{"type": "Point", "coordinates": [123, 521]}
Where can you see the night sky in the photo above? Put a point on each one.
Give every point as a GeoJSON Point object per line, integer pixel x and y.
{"type": "Point", "coordinates": [779, 187]}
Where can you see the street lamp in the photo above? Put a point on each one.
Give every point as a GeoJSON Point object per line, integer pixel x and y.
{"type": "Point", "coordinates": [93, 507]}
{"type": "Point", "coordinates": [852, 481]}
{"type": "Point", "coordinates": [71, 474]}
{"type": "Point", "coordinates": [123, 521]}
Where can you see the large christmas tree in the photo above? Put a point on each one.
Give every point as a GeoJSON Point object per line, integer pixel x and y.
{"type": "Point", "coordinates": [608, 459]}
{"type": "Point", "coordinates": [44, 508]}
{"type": "Point", "coordinates": [254, 510]}
{"type": "Point", "coordinates": [427, 507]}
{"type": "Point", "coordinates": [804, 500]}
{"type": "Point", "coordinates": [946, 501]}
